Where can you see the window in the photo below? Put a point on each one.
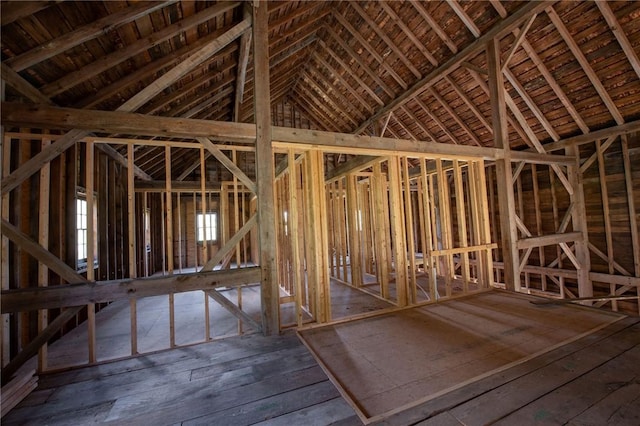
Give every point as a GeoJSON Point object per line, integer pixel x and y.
{"type": "Point", "coordinates": [82, 232]}
{"type": "Point", "coordinates": [207, 226]}
{"type": "Point", "coordinates": [81, 224]}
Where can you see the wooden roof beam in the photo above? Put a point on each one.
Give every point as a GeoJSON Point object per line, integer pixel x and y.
{"type": "Point", "coordinates": [422, 126]}
{"type": "Point", "coordinates": [454, 115]}
{"type": "Point", "coordinates": [501, 27]}
{"type": "Point", "coordinates": [336, 75]}
{"type": "Point", "coordinates": [466, 19]}
{"type": "Point", "coordinates": [243, 62]}
{"type": "Point", "coordinates": [407, 31]}
{"type": "Point", "coordinates": [335, 103]}
{"type": "Point", "coordinates": [83, 34]}
{"type": "Point", "coordinates": [584, 63]}
{"type": "Point", "coordinates": [14, 10]}
{"type": "Point", "coordinates": [112, 59]}
{"type": "Point", "coordinates": [367, 46]}
{"type": "Point", "coordinates": [385, 38]}
{"type": "Point", "coordinates": [358, 60]}
{"type": "Point", "coordinates": [419, 6]}
{"type": "Point", "coordinates": [624, 42]}
{"type": "Point", "coordinates": [469, 103]}
{"type": "Point", "coordinates": [519, 37]}
{"type": "Point", "coordinates": [352, 73]}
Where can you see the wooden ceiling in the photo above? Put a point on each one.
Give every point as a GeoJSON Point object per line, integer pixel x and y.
{"type": "Point", "coordinates": [415, 70]}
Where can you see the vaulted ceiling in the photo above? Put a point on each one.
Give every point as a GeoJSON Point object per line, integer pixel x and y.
{"type": "Point", "coordinates": [410, 70]}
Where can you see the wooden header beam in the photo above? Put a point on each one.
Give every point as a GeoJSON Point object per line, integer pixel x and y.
{"type": "Point", "coordinates": [31, 299]}
{"type": "Point", "coordinates": [17, 114]}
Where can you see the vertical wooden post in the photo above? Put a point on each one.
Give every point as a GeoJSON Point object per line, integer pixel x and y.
{"type": "Point", "coordinates": [5, 163]}
{"type": "Point", "coordinates": [410, 232]}
{"type": "Point", "coordinates": [131, 205]}
{"type": "Point", "coordinates": [179, 207]}
{"type": "Point", "coordinates": [380, 236]}
{"type": "Point", "coordinates": [536, 203]}
{"type": "Point", "coordinates": [635, 240]}
{"type": "Point", "coordinates": [398, 231]}
{"type": "Point", "coordinates": [579, 219]}
{"type": "Point", "coordinates": [354, 222]}
{"type": "Point", "coordinates": [169, 222]}
{"type": "Point", "coordinates": [485, 223]}
{"type": "Point", "coordinates": [293, 234]}
{"type": "Point", "coordinates": [91, 308]}
{"type": "Point", "coordinates": [506, 199]}
{"type": "Point", "coordinates": [445, 225]}
{"type": "Point", "coordinates": [264, 170]}
{"type": "Point", "coordinates": [426, 220]}
{"type": "Point", "coordinates": [43, 239]}
{"type": "Point", "coordinates": [203, 206]}
{"type": "Point", "coordinates": [462, 222]}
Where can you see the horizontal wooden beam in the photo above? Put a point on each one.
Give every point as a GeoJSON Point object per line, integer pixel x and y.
{"type": "Point", "coordinates": [18, 114]}
{"type": "Point", "coordinates": [630, 127]}
{"type": "Point", "coordinates": [31, 299]}
{"type": "Point", "coordinates": [176, 186]}
{"type": "Point", "coordinates": [548, 240]}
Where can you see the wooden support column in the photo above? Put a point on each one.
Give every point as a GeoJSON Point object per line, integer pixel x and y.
{"type": "Point", "coordinates": [43, 240]}
{"type": "Point", "coordinates": [462, 222]}
{"type": "Point", "coordinates": [264, 171]}
{"type": "Point", "coordinates": [354, 222]}
{"type": "Point", "coordinates": [506, 199]}
{"type": "Point", "coordinates": [5, 163]}
{"type": "Point", "coordinates": [635, 239]}
{"type": "Point", "coordinates": [426, 220]}
{"type": "Point", "coordinates": [131, 204]}
{"type": "Point", "coordinates": [293, 233]}
{"type": "Point", "coordinates": [380, 234]}
{"type": "Point", "coordinates": [410, 232]}
{"type": "Point", "coordinates": [445, 226]}
{"type": "Point", "coordinates": [91, 307]}
{"type": "Point", "coordinates": [169, 236]}
{"type": "Point", "coordinates": [579, 219]}
{"type": "Point", "coordinates": [485, 223]}
{"type": "Point", "coordinates": [398, 231]}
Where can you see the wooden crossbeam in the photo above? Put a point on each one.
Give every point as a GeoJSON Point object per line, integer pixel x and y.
{"type": "Point", "coordinates": [230, 245]}
{"type": "Point", "coordinates": [31, 299]}
{"type": "Point", "coordinates": [228, 163]}
{"type": "Point", "coordinates": [22, 86]}
{"type": "Point", "coordinates": [547, 240]}
{"type": "Point", "coordinates": [234, 309]}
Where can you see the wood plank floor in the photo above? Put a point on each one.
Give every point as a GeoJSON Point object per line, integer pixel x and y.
{"type": "Point", "coordinates": [274, 380]}
{"type": "Point", "coordinates": [236, 381]}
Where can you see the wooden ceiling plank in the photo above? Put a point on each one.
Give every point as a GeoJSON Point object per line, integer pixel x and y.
{"type": "Point", "coordinates": [85, 33]}
{"type": "Point", "coordinates": [419, 6]}
{"type": "Point", "coordinates": [551, 81]}
{"type": "Point", "coordinates": [531, 104]}
{"type": "Point", "coordinates": [162, 101]}
{"type": "Point", "coordinates": [466, 19]}
{"type": "Point", "coordinates": [334, 73]}
{"type": "Point", "coordinates": [454, 115]}
{"type": "Point", "coordinates": [112, 59]}
{"type": "Point", "coordinates": [330, 115]}
{"type": "Point", "coordinates": [505, 25]}
{"type": "Point", "coordinates": [289, 17]}
{"type": "Point", "coordinates": [390, 43]}
{"type": "Point", "coordinates": [147, 71]}
{"type": "Point", "coordinates": [406, 128]}
{"type": "Point", "coordinates": [348, 69]}
{"type": "Point", "coordinates": [287, 51]}
{"type": "Point", "coordinates": [184, 67]}
{"type": "Point", "coordinates": [407, 31]}
{"type": "Point", "coordinates": [202, 105]}
{"type": "Point", "coordinates": [421, 124]}
{"type": "Point", "coordinates": [334, 100]}
{"type": "Point", "coordinates": [358, 60]}
{"type": "Point", "coordinates": [584, 63]}
{"type": "Point", "coordinates": [472, 106]}
{"type": "Point", "coordinates": [325, 119]}
{"type": "Point", "coordinates": [519, 37]}
{"type": "Point", "coordinates": [617, 30]}
{"type": "Point", "coordinates": [367, 46]}
{"type": "Point", "coordinates": [14, 10]}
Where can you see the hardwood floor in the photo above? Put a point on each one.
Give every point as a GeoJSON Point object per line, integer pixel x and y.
{"type": "Point", "coordinates": [237, 381]}
{"type": "Point", "coordinates": [253, 379]}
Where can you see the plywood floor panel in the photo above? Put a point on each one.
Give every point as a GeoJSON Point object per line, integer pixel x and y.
{"type": "Point", "coordinates": [406, 357]}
